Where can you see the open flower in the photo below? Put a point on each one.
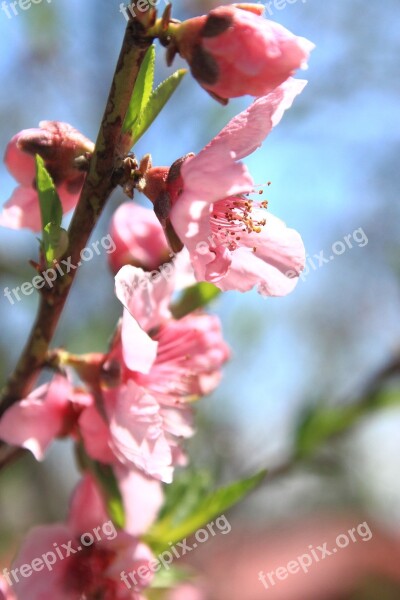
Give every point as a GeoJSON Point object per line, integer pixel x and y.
{"type": "Point", "coordinates": [50, 411]}
{"type": "Point", "coordinates": [177, 361]}
{"type": "Point", "coordinates": [234, 51]}
{"type": "Point", "coordinates": [59, 144]}
{"type": "Point", "coordinates": [234, 242]}
{"type": "Point", "coordinates": [165, 364]}
{"type": "Point", "coordinates": [93, 554]}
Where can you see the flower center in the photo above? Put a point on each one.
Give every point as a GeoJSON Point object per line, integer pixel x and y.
{"type": "Point", "coordinates": [232, 218]}
{"type": "Point", "coordinates": [86, 574]}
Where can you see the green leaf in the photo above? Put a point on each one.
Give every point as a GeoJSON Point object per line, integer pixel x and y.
{"type": "Point", "coordinates": [55, 239]}
{"type": "Point", "coordinates": [50, 204]}
{"type": "Point", "coordinates": [156, 103]}
{"type": "Point", "coordinates": [194, 297]}
{"type": "Point", "coordinates": [142, 90]}
{"type": "Point", "coordinates": [108, 483]}
{"type": "Point", "coordinates": [105, 475]}
{"type": "Point", "coordinates": [185, 493]}
{"type": "Point", "coordinates": [321, 424]}
{"type": "Point", "coordinates": [55, 242]}
{"type": "Point", "coordinates": [164, 579]}
{"type": "Point", "coordinates": [173, 528]}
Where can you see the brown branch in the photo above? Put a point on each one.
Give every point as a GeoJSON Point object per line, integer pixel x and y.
{"type": "Point", "coordinates": [97, 188]}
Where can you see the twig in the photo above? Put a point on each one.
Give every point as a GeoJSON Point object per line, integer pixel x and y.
{"type": "Point", "coordinates": [97, 188]}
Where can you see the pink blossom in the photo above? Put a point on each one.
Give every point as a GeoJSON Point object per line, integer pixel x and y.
{"type": "Point", "coordinates": [93, 569]}
{"type": "Point", "coordinates": [141, 433]}
{"type": "Point", "coordinates": [234, 242]}
{"type": "Point", "coordinates": [58, 144]}
{"type": "Point", "coordinates": [184, 357]}
{"type": "Point", "coordinates": [5, 590]}
{"type": "Point", "coordinates": [142, 497]}
{"type": "Point", "coordinates": [48, 412]}
{"type": "Point", "coordinates": [138, 237]}
{"type": "Point", "coordinates": [136, 436]}
{"type": "Point", "coordinates": [165, 364]}
{"type": "Point", "coordinates": [234, 51]}
{"type": "Point", "coordinates": [140, 241]}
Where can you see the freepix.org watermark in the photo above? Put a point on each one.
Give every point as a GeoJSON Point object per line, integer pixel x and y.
{"type": "Point", "coordinates": [47, 560]}
{"type": "Point", "coordinates": [305, 561]}
{"type": "Point", "coordinates": [12, 9]}
{"type": "Point", "coordinates": [142, 5]}
{"type": "Point", "coordinates": [166, 558]}
{"type": "Point", "coordinates": [274, 5]}
{"type": "Point", "coordinates": [317, 261]}
{"type": "Point", "coordinates": [61, 268]}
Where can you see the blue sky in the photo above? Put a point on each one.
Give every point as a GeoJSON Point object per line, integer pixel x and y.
{"type": "Point", "coordinates": [331, 163]}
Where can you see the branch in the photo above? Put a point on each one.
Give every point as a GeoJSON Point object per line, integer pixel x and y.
{"type": "Point", "coordinates": [98, 186]}
{"type": "Point", "coordinates": [364, 399]}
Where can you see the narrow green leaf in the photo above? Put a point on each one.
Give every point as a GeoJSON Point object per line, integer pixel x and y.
{"type": "Point", "coordinates": [142, 91]}
{"type": "Point", "coordinates": [185, 493]}
{"type": "Point", "coordinates": [156, 103]}
{"type": "Point", "coordinates": [172, 529]}
{"type": "Point", "coordinates": [164, 580]}
{"type": "Point", "coordinates": [108, 484]}
{"type": "Point", "coordinates": [194, 297]}
{"type": "Point", "coordinates": [50, 204]}
{"type": "Point", "coordinates": [55, 242]}
{"type": "Point", "coordinates": [105, 475]}
{"type": "Point", "coordinates": [320, 424]}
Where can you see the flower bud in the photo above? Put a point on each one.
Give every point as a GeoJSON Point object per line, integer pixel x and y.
{"type": "Point", "coordinates": [138, 237]}
{"type": "Point", "coordinates": [59, 145]}
{"type": "Point", "coordinates": [163, 186]}
{"type": "Point", "coordinates": [234, 51]}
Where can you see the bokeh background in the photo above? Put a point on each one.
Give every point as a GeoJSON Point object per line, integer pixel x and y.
{"type": "Point", "coordinates": [304, 366]}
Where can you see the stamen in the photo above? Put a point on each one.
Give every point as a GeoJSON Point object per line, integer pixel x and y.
{"type": "Point", "coordinates": [233, 216]}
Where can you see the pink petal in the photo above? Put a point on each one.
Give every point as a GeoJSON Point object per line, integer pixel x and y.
{"type": "Point", "coordinates": [35, 422]}
{"type": "Point", "coordinates": [69, 192]}
{"type": "Point", "coordinates": [186, 591]}
{"type": "Point", "coordinates": [137, 432]}
{"type": "Point", "coordinates": [139, 238]}
{"type": "Point", "coordinates": [242, 136]}
{"type": "Point", "coordinates": [138, 349]}
{"type": "Point", "coordinates": [22, 210]}
{"type": "Point", "coordinates": [45, 584]}
{"type": "Point", "coordinates": [87, 508]}
{"type": "Point", "coordinates": [146, 300]}
{"type": "Point", "coordinates": [5, 590]}
{"type": "Point", "coordinates": [184, 275]}
{"type": "Point", "coordinates": [275, 266]}
{"type": "Point", "coordinates": [214, 173]}
{"type": "Point", "coordinates": [96, 435]}
{"type": "Point", "coordinates": [219, 267]}
{"type": "Point", "coordinates": [20, 164]}
{"type": "Point", "coordinates": [178, 421]}
{"type": "Point", "coordinates": [190, 356]}
{"type": "Point", "coordinates": [142, 497]}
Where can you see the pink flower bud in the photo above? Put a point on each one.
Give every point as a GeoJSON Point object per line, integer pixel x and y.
{"type": "Point", "coordinates": [59, 145]}
{"type": "Point", "coordinates": [234, 51]}
{"type": "Point", "coordinates": [138, 237]}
